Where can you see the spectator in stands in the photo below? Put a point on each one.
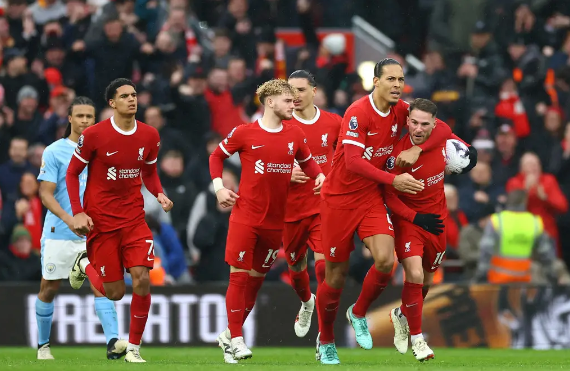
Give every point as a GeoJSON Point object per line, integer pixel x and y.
{"type": "Point", "coordinates": [11, 172]}
{"type": "Point", "coordinates": [199, 169]}
{"type": "Point", "coordinates": [19, 262]}
{"type": "Point", "coordinates": [479, 191]}
{"type": "Point", "coordinates": [179, 187]}
{"type": "Point", "coordinates": [192, 116]}
{"type": "Point", "coordinates": [170, 139]}
{"type": "Point", "coordinates": [124, 48]}
{"type": "Point", "coordinates": [27, 120]}
{"type": "Point", "coordinates": [505, 163]}
{"type": "Point", "coordinates": [545, 199]}
{"type": "Point", "coordinates": [208, 229]}
{"type": "Point", "coordinates": [511, 107]}
{"type": "Point", "coordinates": [483, 72]}
{"type": "Point", "coordinates": [456, 218]}
{"type": "Point", "coordinates": [35, 153]}
{"type": "Point", "coordinates": [548, 141]}
{"type": "Point", "coordinates": [55, 119]}
{"type": "Point", "coordinates": [17, 76]}
{"type": "Point", "coordinates": [27, 210]}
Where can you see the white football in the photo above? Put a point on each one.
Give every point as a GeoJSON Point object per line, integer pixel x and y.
{"type": "Point", "coordinates": [456, 156]}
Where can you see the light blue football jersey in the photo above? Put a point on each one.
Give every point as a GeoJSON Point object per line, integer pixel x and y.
{"type": "Point", "coordinates": [55, 161]}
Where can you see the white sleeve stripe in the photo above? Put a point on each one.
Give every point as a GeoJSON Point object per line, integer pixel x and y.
{"type": "Point", "coordinates": [353, 142]}
{"type": "Point", "coordinates": [225, 151]}
{"type": "Point", "coordinates": [305, 160]}
{"type": "Point", "coordinates": [151, 162]}
{"type": "Point", "coordinates": [80, 158]}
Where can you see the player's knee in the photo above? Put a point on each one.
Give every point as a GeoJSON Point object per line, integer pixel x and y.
{"type": "Point", "coordinates": [336, 276]}
{"type": "Point", "coordinates": [385, 264]}
{"type": "Point", "coordinates": [47, 293]}
{"type": "Point", "coordinates": [141, 280]}
{"type": "Point", "coordinates": [116, 294]}
{"type": "Point", "coordinates": [415, 275]}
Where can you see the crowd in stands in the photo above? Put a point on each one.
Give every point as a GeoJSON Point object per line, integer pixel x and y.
{"type": "Point", "coordinates": [499, 71]}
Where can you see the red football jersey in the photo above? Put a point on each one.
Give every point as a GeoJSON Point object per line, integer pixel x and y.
{"type": "Point", "coordinates": [377, 132]}
{"type": "Point", "coordinates": [115, 159]}
{"type": "Point", "coordinates": [267, 159]}
{"type": "Point", "coordinates": [430, 170]}
{"type": "Point", "coordinates": [322, 136]}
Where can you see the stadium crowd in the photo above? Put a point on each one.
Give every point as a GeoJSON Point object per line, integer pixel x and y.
{"type": "Point", "coordinates": [499, 71]}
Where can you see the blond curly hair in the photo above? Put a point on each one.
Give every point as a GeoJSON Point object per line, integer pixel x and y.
{"type": "Point", "coordinates": [275, 87]}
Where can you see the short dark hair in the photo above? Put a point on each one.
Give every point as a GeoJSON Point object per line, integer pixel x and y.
{"type": "Point", "coordinates": [78, 101]}
{"type": "Point", "coordinates": [424, 105]}
{"type": "Point", "coordinates": [304, 74]}
{"type": "Point", "coordinates": [111, 89]}
{"type": "Point", "coordinates": [379, 68]}
{"type": "Point", "coordinates": [173, 153]}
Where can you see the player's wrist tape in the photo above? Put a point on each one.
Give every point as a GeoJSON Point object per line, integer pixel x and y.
{"type": "Point", "coordinates": [218, 184]}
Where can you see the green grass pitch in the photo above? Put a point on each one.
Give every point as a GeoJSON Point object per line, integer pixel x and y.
{"type": "Point", "coordinates": [289, 359]}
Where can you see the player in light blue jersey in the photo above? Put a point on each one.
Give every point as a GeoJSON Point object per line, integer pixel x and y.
{"type": "Point", "coordinates": [60, 245]}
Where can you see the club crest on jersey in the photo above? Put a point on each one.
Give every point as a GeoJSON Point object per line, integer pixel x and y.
{"type": "Point", "coordinates": [290, 148]}
{"type": "Point", "coordinates": [394, 130]}
{"type": "Point", "coordinates": [141, 153]}
{"type": "Point", "coordinates": [353, 123]}
{"type": "Point", "coordinates": [324, 137]}
{"type": "Point", "coordinates": [390, 163]}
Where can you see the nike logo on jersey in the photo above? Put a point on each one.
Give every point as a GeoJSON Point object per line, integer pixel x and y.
{"type": "Point", "coordinates": [256, 147]}
{"type": "Point", "coordinates": [413, 170]}
{"type": "Point", "coordinates": [149, 259]}
{"type": "Point", "coordinates": [235, 310]}
{"type": "Point", "coordinates": [371, 133]}
{"type": "Point", "coordinates": [112, 153]}
{"type": "Point", "coordinates": [407, 305]}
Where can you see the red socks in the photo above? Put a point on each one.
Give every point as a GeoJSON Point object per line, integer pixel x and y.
{"type": "Point", "coordinates": [140, 305]}
{"type": "Point", "coordinates": [235, 302]}
{"type": "Point", "coordinates": [251, 290]}
{"type": "Point", "coordinates": [412, 306]}
{"type": "Point", "coordinates": [300, 283]}
{"type": "Point", "coordinates": [328, 300]}
{"type": "Point", "coordinates": [94, 278]}
{"type": "Point", "coordinates": [374, 283]}
{"type": "Point", "coordinates": [320, 271]}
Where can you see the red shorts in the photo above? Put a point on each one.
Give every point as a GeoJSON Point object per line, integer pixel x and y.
{"type": "Point", "coordinates": [111, 252]}
{"type": "Point", "coordinates": [412, 240]}
{"type": "Point", "coordinates": [251, 247]}
{"type": "Point", "coordinates": [297, 235]}
{"type": "Point", "coordinates": [339, 226]}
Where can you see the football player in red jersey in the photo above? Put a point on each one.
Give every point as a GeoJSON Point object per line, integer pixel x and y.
{"type": "Point", "coordinates": [118, 151]}
{"type": "Point", "coordinates": [267, 150]}
{"type": "Point", "coordinates": [420, 247]}
{"type": "Point", "coordinates": [353, 201]}
{"type": "Point", "coordinates": [302, 218]}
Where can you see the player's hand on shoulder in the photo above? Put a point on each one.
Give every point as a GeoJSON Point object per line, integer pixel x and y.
{"type": "Point", "coordinates": [165, 202]}
{"type": "Point", "coordinates": [408, 157]}
{"type": "Point", "coordinates": [430, 222]}
{"type": "Point", "coordinates": [82, 224]}
{"type": "Point", "coordinates": [319, 181]}
{"type": "Point", "coordinates": [407, 184]}
{"type": "Point", "coordinates": [226, 197]}
{"type": "Point", "coordinates": [298, 176]}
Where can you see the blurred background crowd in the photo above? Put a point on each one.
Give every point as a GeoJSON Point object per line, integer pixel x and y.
{"type": "Point", "coordinates": [499, 71]}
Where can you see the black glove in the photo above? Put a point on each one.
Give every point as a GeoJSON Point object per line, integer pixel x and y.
{"type": "Point", "coordinates": [430, 222]}
{"type": "Point", "coordinates": [472, 160]}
